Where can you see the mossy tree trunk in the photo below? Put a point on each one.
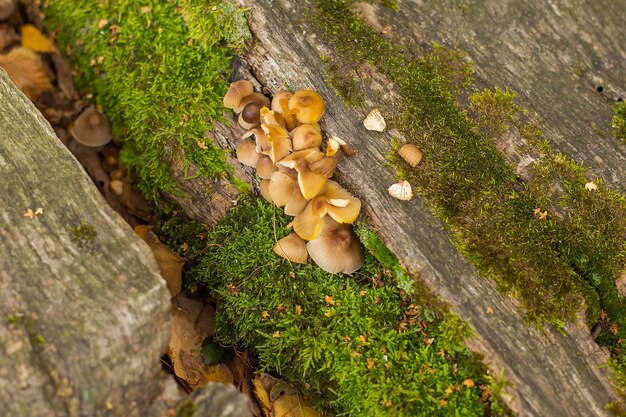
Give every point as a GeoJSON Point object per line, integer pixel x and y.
{"type": "Point", "coordinates": [554, 57]}
{"type": "Point", "coordinates": [84, 312]}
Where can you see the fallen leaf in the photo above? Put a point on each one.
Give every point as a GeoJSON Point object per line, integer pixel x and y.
{"type": "Point", "coordinates": [489, 310]}
{"type": "Point", "coordinates": [8, 36]}
{"type": "Point", "coordinates": [202, 145]}
{"type": "Point", "coordinates": [29, 213]}
{"type": "Point", "coordinates": [191, 322]}
{"type": "Point", "coordinates": [265, 314]}
{"type": "Point", "coordinates": [34, 40]}
{"type": "Point", "coordinates": [263, 385]}
{"type": "Point", "coordinates": [218, 373]}
{"type": "Point", "coordinates": [293, 405]}
{"type": "Point", "coordinates": [170, 264]}
{"type": "Point", "coordinates": [370, 363]}
{"type": "Point", "coordinates": [27, 72]}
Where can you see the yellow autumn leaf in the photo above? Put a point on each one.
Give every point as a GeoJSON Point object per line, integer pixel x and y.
{"type": "Point", "coordinates": [261, 393]}
{"type": "Point", "coordinates": [35, 40]}
{"type": "Point", "coordinates": [293, 405]}
{"type": "Point", "coordinates": [218, 373]}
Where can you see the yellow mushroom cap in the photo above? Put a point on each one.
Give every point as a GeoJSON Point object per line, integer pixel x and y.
{"type": "Point", "coordinates": [332, 200]}
{"type": "Point", "coordinates": [236, 92]}
{"type": "Point", "coordinates": [308, 155]}
{"type": "Point", "coordinates": [308, 224]}
{"type": "Point", "coordinates": [326, 166]}
{"type": "Point", "coordinates": [337, 249]}
{"type": "Point", "coordinates": [247, 154]}
{"type": "Point", "coordinates": [307, 106]}
{"type": "Point", "coordinates": [272, 117]}
{"type": "Point", "coordinates": [265, 167]}
{"type": "Point", "coordinates": [91, 128]}
{"type": "Point", "coordinates": [284, 191]}
{"type": "Point", "coordinates": [280, 104]}
{"type": "Point", "coordinates": [278, 96]}
{"type": "Point", "coordinates": [338, 209]}
{"type": "Point", "coordinates": [293, 248]}
{"type": "Point", "coordinates": [306, 136]}
{"type": "Point", "coordinates": [310, 182]}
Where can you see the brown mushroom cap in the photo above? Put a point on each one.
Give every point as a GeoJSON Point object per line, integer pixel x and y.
{"type": "Point", "coordinates": [252, 98]}
{"type": "Point", "coordinates": [293, 248]}
{"type": "Point", "coordinates": [306, 136]}
{"type": "Point", "coordinates": [236, 92]}
{"type": "Point", "coordinates": [247, 154]}
{"type": "Point", "coordinates": [259, 137]}
{"type": "Point", "coordinates": [91, 128]}
{"type": "Point", "coordinates": [411, 154]}
{"type": "Point", "coordinates": [337, 249]}
{"type": "Point", "coordinates": [265, 190]}
{"type": "Point", "coordinates": [284, 191]}
{"type": "Point", "coordinates": [307, 106]}
{"type": "Point", "coordinates": [278, 96]}
{"type": "Point", "coordinates": [265, 167]}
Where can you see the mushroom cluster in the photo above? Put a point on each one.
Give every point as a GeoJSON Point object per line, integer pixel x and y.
{"type": "Point", "coordinates": [284, 143]}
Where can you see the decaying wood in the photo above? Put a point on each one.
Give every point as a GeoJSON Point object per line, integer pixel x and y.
{"type": "Point", "coordinates": [554, 56]}
{"type": "Point", "coordinates": [84, 317]}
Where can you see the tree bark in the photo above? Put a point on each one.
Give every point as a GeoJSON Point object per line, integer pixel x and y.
{"type": "Point", "coordinates": [84, 312]}
{"type": "Point", "coordinates": [554, 56]}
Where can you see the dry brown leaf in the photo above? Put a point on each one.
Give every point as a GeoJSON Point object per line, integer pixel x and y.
{"type": "Point", "coordinates": [27, 72]}
{"type": "Point", "coordinates": [170, 264]}
{"type": "Point", "coordinates": [192, 321]}
{"type": "Point", "coordinates": [8, 36]}
{"type": "Point", "coordinates": [34, 40]}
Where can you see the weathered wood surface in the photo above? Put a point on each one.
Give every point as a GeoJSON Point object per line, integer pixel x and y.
{"type": "Point", "coordinates": [82, 322]}
{"type": "Point", "coordinates": [535, 49]}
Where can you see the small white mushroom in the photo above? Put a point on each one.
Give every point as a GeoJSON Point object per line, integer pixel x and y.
{"type": "Point", "coordinates": [375, 121]}
{"type": "Point", "coordinates": [401, 190]}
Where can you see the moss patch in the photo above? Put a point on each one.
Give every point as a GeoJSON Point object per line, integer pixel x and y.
{"type": "Point", "coordinates": [357, 345]}
{"type": "Point", "coordinates": [619, 121]}
{"type": "Point", "coordinates": [567, 241]}
{"type": "Point", "coordinates": [160, 86]}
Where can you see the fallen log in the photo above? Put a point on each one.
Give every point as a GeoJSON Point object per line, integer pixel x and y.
{"type": "Point", "coordinates": [84, 312]}
{"type": "Point", "coordinates": [550, 373]}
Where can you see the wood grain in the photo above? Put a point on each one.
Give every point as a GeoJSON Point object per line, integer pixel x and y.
{"type": "Point", "coordinates": [550, 373]}
{"type": "Point", "coordinates": [83, 322]}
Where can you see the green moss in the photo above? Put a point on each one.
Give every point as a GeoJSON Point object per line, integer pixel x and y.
{"type": "Point", "coordinates": [551, 261]}
{"type": "Point", "coordinates": [84, 234]}
{"type": "Point", "coordinates": [493, 112]}
{"type": "Point", "coordinates": [160, 86]}
{"type": "Point", "coordinates": [345, 82]}
{"type": "Point", "coordinates": [619, 121]}
{"type": "Point", "coordinates": [213, 22]}
{"type": "Point", "coordinates": [369, 350]}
